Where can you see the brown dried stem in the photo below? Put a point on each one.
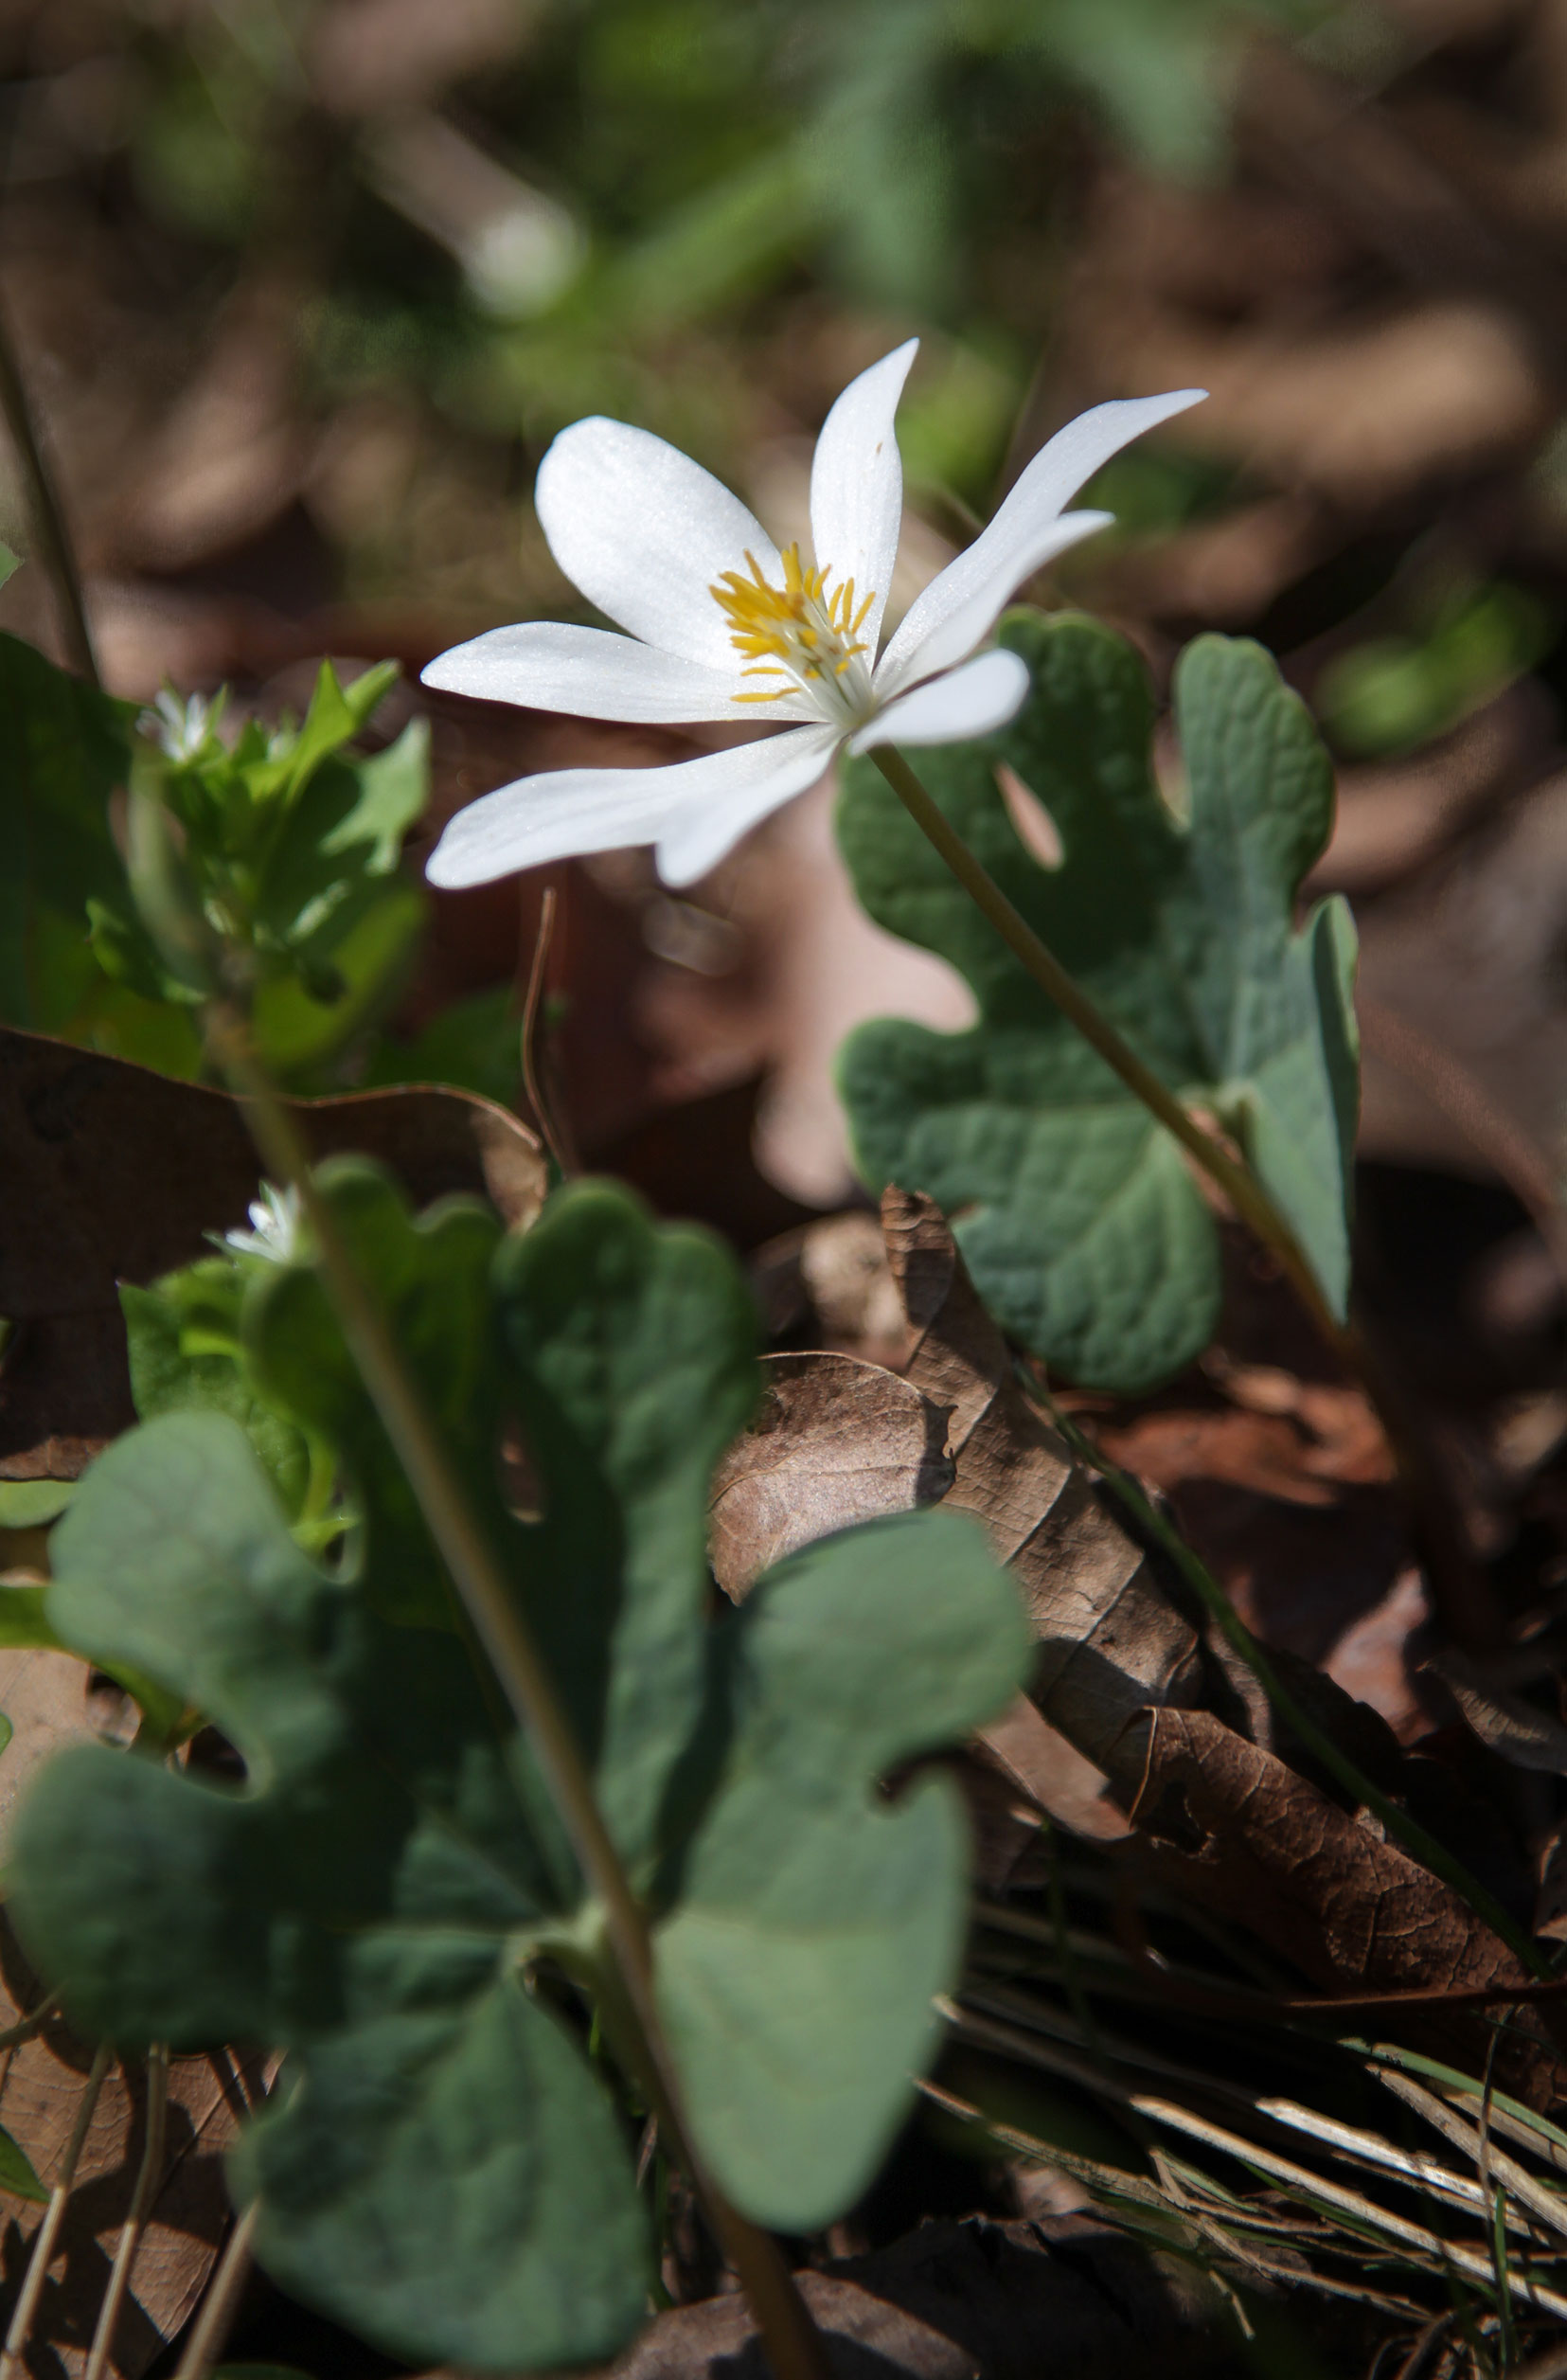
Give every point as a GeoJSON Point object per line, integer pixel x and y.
{"type": "Point", "coordinates": [134, 2228]}
{"type": "Point", "coordinates": [42, 2256]}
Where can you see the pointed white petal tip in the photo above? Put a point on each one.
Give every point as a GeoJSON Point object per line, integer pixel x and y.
{"type": "Point", "coordinates": [973, 700]}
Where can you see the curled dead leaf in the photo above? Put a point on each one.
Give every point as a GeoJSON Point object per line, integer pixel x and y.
{"type": "Point", "coordinates": [1111, 1642]}
{"type": "Point", "coordinates": [835, 1442]}
{"type": "Point", "coordinates": [1240, 1832]}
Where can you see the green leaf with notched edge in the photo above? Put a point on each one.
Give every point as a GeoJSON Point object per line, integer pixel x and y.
{"type": "Point", "coordinates": [1080, 1223]}
{"type": "Point", "coordinates": [815, 1922]}
{"type": "Point", "coordinates": [390, 1897]}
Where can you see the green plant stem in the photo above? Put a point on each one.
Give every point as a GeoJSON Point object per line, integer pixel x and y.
{"type": "Point", "coordinates": [1405, 1831]}
{"type": "Point", "coordinates": [51, 536]}
{"type": "Point", "coordinates": [1239, 1187]}
{"type": "Point", "coordinates": [1463, 1605]}
{"type": "Point", "coordinates": [790, 2340]}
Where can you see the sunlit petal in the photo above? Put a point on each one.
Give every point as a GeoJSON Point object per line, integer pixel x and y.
{"type": "Point", "coordinates": [972, 701]}
{"type": "Point", "coordinates": [693, 807]}
{"type": "Point", "coordinates": [856, 487]}
{"type": "Point", "coordinates": [961, 606]}
{"type": "Point", "coordinates": [644, 531]}
{"type": "Point", "coordinates": [546, 665]}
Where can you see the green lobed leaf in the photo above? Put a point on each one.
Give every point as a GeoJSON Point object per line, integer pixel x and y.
{"type": "Point", "coordinates": [64, 750]}
{"type": "Point", "coordinates": [1078, 1218]}
{"type": "Point", "coordinates": [816, 1922]}
{"type": "Point", "coordinates": [392, 1898]}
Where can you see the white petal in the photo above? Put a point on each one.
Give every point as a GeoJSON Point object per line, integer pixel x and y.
{"type": "Point", "coordinates": [857, 486]}
{"type": "Point", "coordinates": [544, 665]}
{"type": "Point", "coordinates": [565, 812]}
{"type": "Point", "coordinates": [699, 837]}
{"type": "Point", "coordinates": [644, 531]}
{"type": "Point", "coordinates": [960, 607]}
{"type": "Point", "coordinates": [972, 700]}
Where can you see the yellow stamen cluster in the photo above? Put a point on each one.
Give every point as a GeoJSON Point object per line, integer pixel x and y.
{"type": "Point", "coordinates": [796, 632]}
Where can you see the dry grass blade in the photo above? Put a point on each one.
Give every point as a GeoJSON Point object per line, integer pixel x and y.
{"type": "Point", "coordinates": [147, 2178]}
{"type": "Point", "coordinates": [1546, 2203]}
{"type": "Point", "coordinates": [211, 2326]}
{"type": "Point", "coordinates": [48, 2231]}
{"type": "Point", "coordinates": [1361, 2147]}
{"type": "Point", "coordinates": [1473, 2265]}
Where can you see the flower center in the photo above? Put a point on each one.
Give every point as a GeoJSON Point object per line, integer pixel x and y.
{"type": "Point", "coordinates": [800, 637]}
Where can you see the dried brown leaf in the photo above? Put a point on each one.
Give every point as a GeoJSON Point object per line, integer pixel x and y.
{"type": "Point", "coordinates": [1111, 1642]}
{"type": "Point", "coordinates": [835, 1442]}
{"type": "Point", "coordinates": [1240, 1832]}
{"type": "Point", "coordinates": [114, 1173]}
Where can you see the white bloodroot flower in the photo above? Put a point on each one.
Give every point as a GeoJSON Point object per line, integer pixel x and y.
{"type": "Point", "coordinates": [722, 626]}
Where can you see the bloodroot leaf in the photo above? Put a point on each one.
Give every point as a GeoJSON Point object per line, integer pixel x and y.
{"type": "Point", "coordinates": [390, 1897]}
{"type": "Point", "coordinates": [816, 1926]}
{"type": "Point", "coordinates": [367, 1900]}
{"type": "Point", "coordinates": [1080, 1223]}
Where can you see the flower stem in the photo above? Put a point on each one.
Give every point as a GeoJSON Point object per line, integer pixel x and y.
{"type": "Point", "coordinates": [1239, 1187]}
{"type": "Point", "coordinates": [792, 2345]}
{"type": "Point", "coordinates": [1463, 1605]}
{"type": "Point", "coordinates": [51, 537]}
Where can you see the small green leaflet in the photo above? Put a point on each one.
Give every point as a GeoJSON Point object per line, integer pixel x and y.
{"type": "Point", "coordinates": [392, 1898]}
{"type": "Point", "coordinates": [1082, 1226]}
{"type": "Point", "coordinates": [17, 2177]}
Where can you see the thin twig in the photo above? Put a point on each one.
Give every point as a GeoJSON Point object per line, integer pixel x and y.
{"type": "Point", "coordinates": [789, 2335]}
{"type": "Point", "coordinates": [552, 1128]}
{"type": "Point", "coordinates": [43, 2239]}
{"type": "Point", "coordinates": [14, 2036]}
{"type": "Point", "coordinates": [50, 533]}
{"type": "Point", "coordinates": [211, 2326]}
{"type": "Point", "coordinates": [134, 2228]}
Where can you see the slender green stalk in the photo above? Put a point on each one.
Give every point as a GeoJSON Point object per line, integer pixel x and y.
{"type": "Point", "coordinates": [1239, 1187]}
{"type": "Point", "coordinates": [787, 2333]}
{"type": "Point", "coordinates": [51, 536]}
{"type": "Point", "coordinates": [1464, 1606]}
{"type": "Point", "coordinates": [1404, 1830]}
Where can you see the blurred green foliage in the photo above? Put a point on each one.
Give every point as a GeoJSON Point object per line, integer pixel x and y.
{"type": "Point", "coordinates": [626, 171]}
{"type": "Point", "coordinates": [1390, 694]}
